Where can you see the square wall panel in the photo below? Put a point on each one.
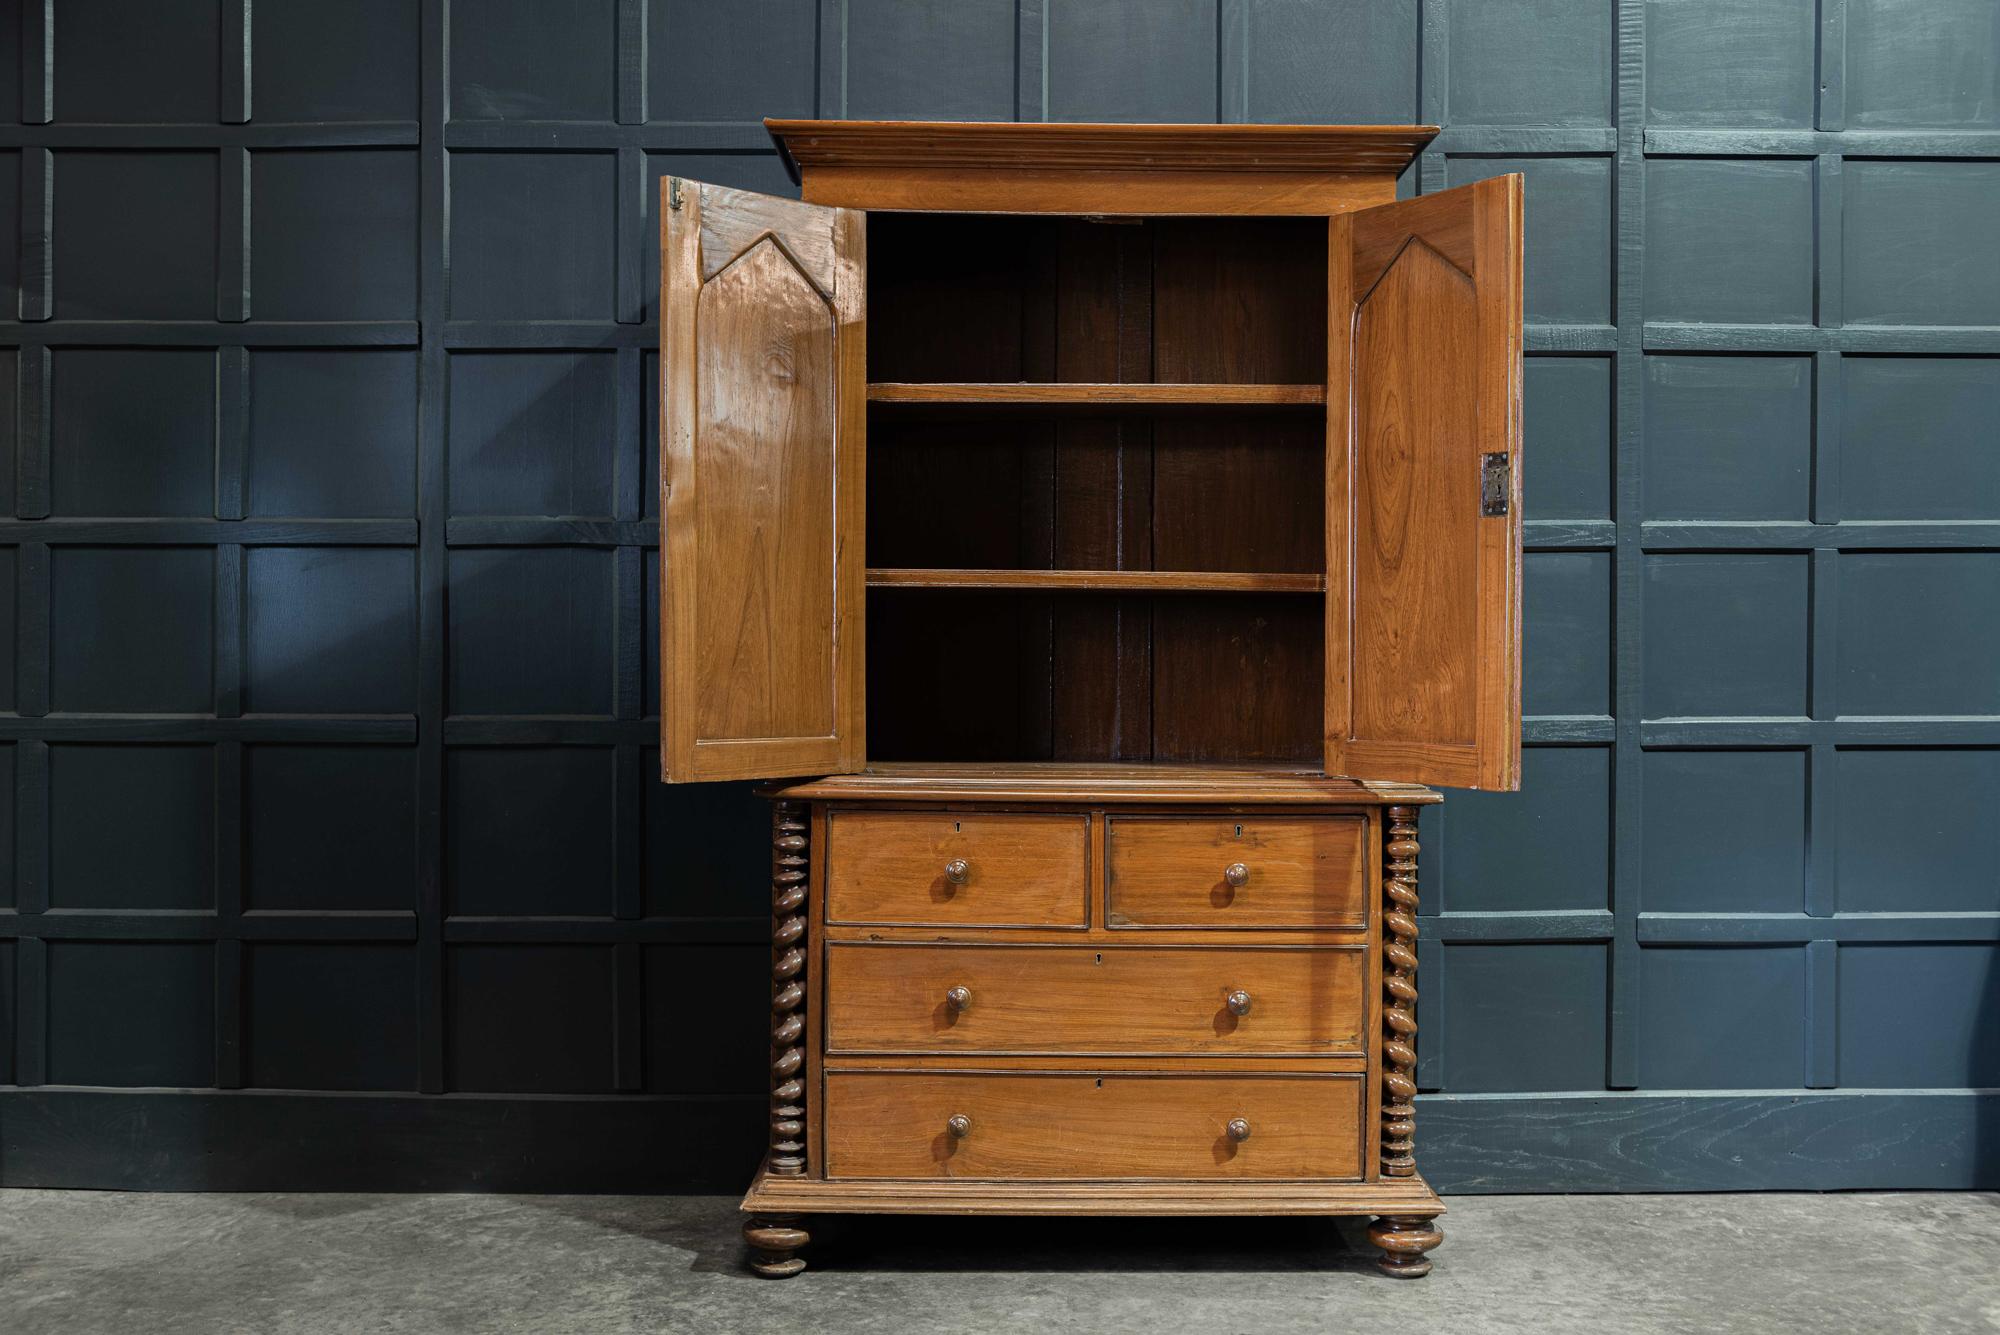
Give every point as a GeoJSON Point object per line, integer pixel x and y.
{"type": "Point", "coordinates": [528, 830]}
{"type": "Point", "coordinates": [1336, 62]}
{"type": "Point", "coordinates": [1567, 633]}
{"type": "Point", "coordinates": [534, 60]}
{"type": "Point", "coordinates": [532, 432]}
{"type": "Point", "coordinates": [1724, 831]}
{"type": "Point", "coordinates": [132, 630]}
{"type": "Point", "coordinates": [1729, 242]}
{"type": "Point", "coordinates": [1923, 64]}
{"type": "Point", "coordinates": [649, 419]}
{"type": "Point", "coordinates": [354, 61]}
{"type": "Point", "coordinates": [529, 630]}
{"type": "Point", "coordinates": [138, 235]}
{"type": "Point", "coordinates": [329, 829]}
{"type": "Point", "coordinates": [1919, 1016]}
{"type": "Point", "coordinates": [649, 652]}
{"type": "Point", "coordinates": [10, 370]}
{"type": "Point", "coordinates": [131, 827]}
{"type": "Point", "coordinates": [1128, 60]}
{"type": "Point", "coordinates": [136, 64]}
{"type": "Point", "coordinates": [10, 564]}
{"type": "Point", "coordinates": [1546, 848]}
{"type": "Point", "coordinates": [1916, 437]}
{"type": "Point", "coordinates": [708, 850]}
{"type": "Point", "coordinates": [8, 971]}
{"type": "Point", "coordinates": [1524, 1018]}
{"type": "Point", "coordinates": [1918, 634]}
{"type": "Point", "coordinates": [333, 433]}
{"type": "Point", "coordinates": [1531, 62]}
{"type": "Point", "coordinates": [133, 432]}
{"type": "Point", "coordinates": [1728, 438]}
{"type": "Point", "coordinates": [1688, 996]}
{"type": "Point", "coordinates": [761, 172]}
{"type": "Point", "coordinates": [728, 1052]}
{"type": "Point", "coordinates": [1566, 414]}
{"type": "Point", "coordinates": [915, 60]}
{"type": "Point", "coordinates": [333, 235]}
{"type": "Point", "coordinates": [529, 1019]}
{"type": "Point", "coordinates": [10, 233]}
{"type": "Point", "coordinates": [1568, 278]}
{"type": "Point", "coordinates": [1916, 831]}
{"type": "Point", "coordinates": [131, 1013]}
{"type": "Point", "coordinates": [1919, 245]}
{"type": "Point", "coordinates": [334, 1016]}
{"type": "Point", "coordinates": [738, 62]}
{"type": "Point", "coordinates": [330, 630]}
{"type": "Point", "coordinates": [534, 236]}
{"type": "Point", "coordinates": [8, 764]}
{"type": "Point", "coordinates": [1726, 634]}
{"type": "Point", "coordinates": [1724, 64]}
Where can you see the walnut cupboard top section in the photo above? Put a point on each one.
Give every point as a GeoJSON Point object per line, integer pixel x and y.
{"type": "Point", "coordinates": [1176, 451]}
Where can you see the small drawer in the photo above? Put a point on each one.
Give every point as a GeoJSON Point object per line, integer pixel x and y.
{"type": "Point", "coordinates": [978, 1125]}
{"type": "Point", "coordinates": [1229, 871]}
{"type": "Point", "coordinates": [957, 869]}
{"type": "Point", "coordinates": [1077, 1000]}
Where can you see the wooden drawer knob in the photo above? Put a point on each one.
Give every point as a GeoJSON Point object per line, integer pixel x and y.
{"type": "Point", "coordinates": [958, 871]}
{"type": "Point", "coordinates": [1235, 874]}
{"type": "Point", "coordinates": [960, 1126]}
{"type": "Point", "coordinates": [959, 998]}
{"type": "Point", "coordinates": [1238, 1002]}
{"type": "Point", "coordinates": [1238, 1129]}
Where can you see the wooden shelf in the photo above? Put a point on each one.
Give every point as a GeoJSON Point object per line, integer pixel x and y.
{"type": "Point", "coordinates": [1075, 398]}
{"type": "Point", "coordinates": [1099, 581]}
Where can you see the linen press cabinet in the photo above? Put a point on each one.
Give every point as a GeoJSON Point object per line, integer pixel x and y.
{"type": "Point", "coordinates": [1068, 510]}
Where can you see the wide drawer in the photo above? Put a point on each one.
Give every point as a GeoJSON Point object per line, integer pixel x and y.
{"type": "Point", "coordinates": [901, 1124]}
{"type": "Point", "coordinates": [1137, 1000]}
{"type": "Point", "coordinates": [957, 868]}
{"type": "Point", "coordinates": [1229, 871]}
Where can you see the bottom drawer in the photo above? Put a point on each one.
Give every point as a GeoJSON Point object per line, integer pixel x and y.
{"type": "Point", "coordinates": [981, 1125]}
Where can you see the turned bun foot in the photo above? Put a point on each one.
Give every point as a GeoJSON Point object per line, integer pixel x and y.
{"type": "Point", "coordinates": [1404, 1239]}
{"type": "Point", "coordinates": [775, 1242]}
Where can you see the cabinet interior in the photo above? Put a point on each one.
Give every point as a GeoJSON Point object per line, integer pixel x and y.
{"type": "Point", "coordinates": [1201, 481]}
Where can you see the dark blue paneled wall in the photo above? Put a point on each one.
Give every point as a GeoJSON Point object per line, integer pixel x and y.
{"type": "Point", "coordinates": [335, 856]}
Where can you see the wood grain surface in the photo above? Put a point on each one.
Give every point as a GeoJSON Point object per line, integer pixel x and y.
{"type": "Point", "coordinates": [1423, 606]}
{"type": "Point", "coordinates": [894, 1125]}
{"type": "Point", "coordinates": [761, 467]}
{"type": "Point", "coordinates": [1306, 1000]}
{"type": "Point", "coordinates": [1072, 397]}
{"type": "Point", "coordinates": [1101, 581]}
{"type": "Point", "coordinates": [1174, 871]}
{"type": "Point", "coordinates": [1116, 785]}
{"type": "Point", "coordinates": [1019, 869]}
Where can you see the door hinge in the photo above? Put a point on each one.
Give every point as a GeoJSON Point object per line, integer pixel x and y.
{"type": "Point", "coordinates": [1496, 474]}
{"type": "Point", "coordinates": [674, 193]}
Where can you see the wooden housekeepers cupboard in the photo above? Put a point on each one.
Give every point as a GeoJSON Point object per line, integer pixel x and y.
{"type": "Point", "coordinates": [1109, 528]}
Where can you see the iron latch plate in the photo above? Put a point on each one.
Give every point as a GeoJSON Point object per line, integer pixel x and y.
{"type": "Point", "coordinates": [1496, 475]}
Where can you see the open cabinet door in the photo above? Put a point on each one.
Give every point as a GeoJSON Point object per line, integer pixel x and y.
{"type": "Point", "coordinates": [762, 461]}
{"type": "Point", "coordinates": [1423, 656]}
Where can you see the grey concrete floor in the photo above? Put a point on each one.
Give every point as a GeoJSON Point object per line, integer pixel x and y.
{"type": "Point", "coordinates": [158, 1264]}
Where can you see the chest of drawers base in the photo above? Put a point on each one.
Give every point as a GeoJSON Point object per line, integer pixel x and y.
{"type": "Point", "coordinates": [1075, 991]}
